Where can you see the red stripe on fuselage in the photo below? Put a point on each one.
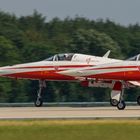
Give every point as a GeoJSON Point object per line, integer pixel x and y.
{"type": "Point", "coordinates": [45, 75]}
{"type": "Point", "coordinates": [52, 75]}
{"type": "Point", "coordinates": [127, 76]}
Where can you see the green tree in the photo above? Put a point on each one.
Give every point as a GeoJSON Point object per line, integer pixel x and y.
{"type": "Point", "coordinates": [85, 41]}
{"type": "Point", "coordinates": [8, 52]}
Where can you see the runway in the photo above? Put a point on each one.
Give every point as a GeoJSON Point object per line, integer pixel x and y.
{"type": "Point", "coordinates": [69, 113]}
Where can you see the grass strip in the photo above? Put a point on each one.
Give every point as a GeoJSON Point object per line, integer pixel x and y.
{"type": "Point", "coordinates": [70, 129]}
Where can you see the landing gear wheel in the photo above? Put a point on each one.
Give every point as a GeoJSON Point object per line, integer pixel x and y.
{"type": "Point", "coordinates": [114, 102]}
{"type": "Point", "coordinates": [138, 100]}
{"type": "Point", "coordinates": [121, 105]}
{"type": "Point", "coordinates": [39, 102]}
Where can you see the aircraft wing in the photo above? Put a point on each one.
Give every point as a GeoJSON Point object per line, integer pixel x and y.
{"type": "Point", "coordinates": [93, 70]}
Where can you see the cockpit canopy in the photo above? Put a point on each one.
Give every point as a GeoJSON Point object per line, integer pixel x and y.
{"type": "Point", "coordinates": [135, 58]}
{"type": "Point", "coordinates": [61, 57]}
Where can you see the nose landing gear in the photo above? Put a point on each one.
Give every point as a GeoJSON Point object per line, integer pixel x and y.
{"type": "Point", "coordinates": [39, 101]}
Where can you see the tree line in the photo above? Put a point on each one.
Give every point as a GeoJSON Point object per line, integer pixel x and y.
{"type": "Point", "coordinates": [33, 38]}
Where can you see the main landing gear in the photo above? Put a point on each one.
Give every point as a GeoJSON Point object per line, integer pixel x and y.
{"type": "Point", "coordinates": [121, 104]}
{"type": "Point", "coordinates": [117, 96]}
{"type": "Point", "coordinates": [114, 102]}
{"type": "Point", "coordinates": [39, 100]}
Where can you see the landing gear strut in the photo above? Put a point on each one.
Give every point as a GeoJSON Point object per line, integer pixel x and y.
{"type": "Point", "coordinates": [39, 100]}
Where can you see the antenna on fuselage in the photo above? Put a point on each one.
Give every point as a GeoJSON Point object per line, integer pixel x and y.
{"type": "Point", "coordinates": [107, 54]}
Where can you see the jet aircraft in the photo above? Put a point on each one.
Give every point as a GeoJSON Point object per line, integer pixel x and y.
{"type": "Point", "coordinates": [89, 70]}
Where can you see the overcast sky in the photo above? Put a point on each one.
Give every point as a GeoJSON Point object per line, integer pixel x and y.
{"type": "Point", "coordinates": [120, 11]}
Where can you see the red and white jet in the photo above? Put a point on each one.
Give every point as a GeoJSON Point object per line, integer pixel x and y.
{"type": "Point", "coordinates": [90, 71]}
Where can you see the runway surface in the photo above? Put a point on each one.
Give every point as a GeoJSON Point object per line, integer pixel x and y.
{"type": "Point", "coordinates": [68, 112]}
